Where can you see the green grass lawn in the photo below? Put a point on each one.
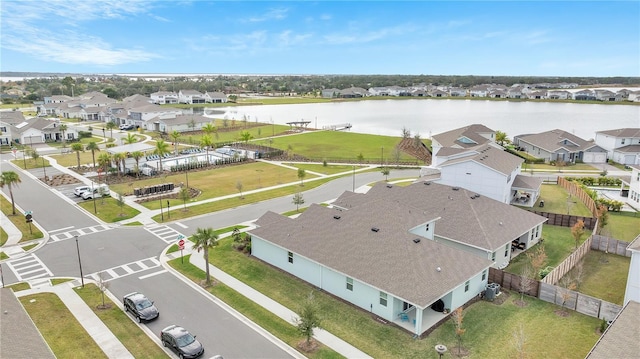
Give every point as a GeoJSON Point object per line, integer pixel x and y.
{"type": "Point", "coordinates": [558, 244]}
{"type": "Point", "coordinates": [29, 231]}
{"type": "Point", "coordinates": [486, 323]}
{"type": "Point", "coordinates": [571, 167]}
{"type": "Point", "coordinates": [108, 209]}
{"type": "Point", "coordinates": [3, 237]}
{"type": "Point", "coordinates": [622, 225]}
{"type": "Point", "coordinates": [326, 170]}
{"type": "Point", "coordinates": [65, 336]}
{"type": "Point", "coordinates": [338, 145]}
{"type": "Point", "coordinates": [179, 212]}
{"type": "Point", "coordinates": [557, 200]}
{"type": "Point", "coordinates": [267, 320]}
{"type": "Point", "coordinates": [218, 181]}
{"type": "Point", "coordinates": [30, 163]}
{"type": "Point", "coordinates": [231, 133]}
{"type": "Point", "coordinates": [604, 276]}
{"type": "Point", "coordinates": [71, 159]}
{"type": "Point", "coordinates": [131, 336]}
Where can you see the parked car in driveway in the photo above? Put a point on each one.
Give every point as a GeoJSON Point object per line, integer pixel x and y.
{"type": "Point", "coordinates": [100, 191]}
{"type": "Point", "coordinates": [181, 342]}
{"type": "Point", "coordinates": [140, 307]}
{"type": "Point", "coordinates": [78, 191]}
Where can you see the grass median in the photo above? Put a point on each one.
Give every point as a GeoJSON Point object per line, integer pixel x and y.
{"type": "Point", "coordinates": [29, 230]}
{"type": "Point", "coordinates": [64, 334]}
{"type": "Point", "coordinates": [128, 332]}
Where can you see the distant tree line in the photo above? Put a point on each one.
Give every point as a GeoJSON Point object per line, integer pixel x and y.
{"type": "Point", "coordinates": [118, 87]}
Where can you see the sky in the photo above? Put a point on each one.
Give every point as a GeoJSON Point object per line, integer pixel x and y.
{"type": "Point", "coordinates": [501, 38]}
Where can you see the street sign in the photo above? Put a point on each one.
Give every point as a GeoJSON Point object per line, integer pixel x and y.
{"type": "Point", "coordinates": [29, 218]}
{"type": "Point", "coordinates": [28, 212]}
{"type": "Point", "coordinates": [181, 244]}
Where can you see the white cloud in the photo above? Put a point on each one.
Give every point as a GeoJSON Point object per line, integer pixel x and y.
{"type": "Point", "coordinates": [272, 14]}
{"type": "Point", "coordinates": [53, 31]}
{"type": "Point", "coordinates": [347, 37]}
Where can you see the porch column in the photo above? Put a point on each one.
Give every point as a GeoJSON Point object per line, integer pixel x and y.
{"type": "Point", "coordinates": [419, 313]}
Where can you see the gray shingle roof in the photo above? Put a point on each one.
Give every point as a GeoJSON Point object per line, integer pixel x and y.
{"type": "Point", "coordinates": [19, 337]}
{"type": "Point", "coordinates": [554, 140]}
{"type": "Point", "coordinates": [620, 340]}
{"type": "Point", "coordinates": [527, 182]}
{"type": "Point", "coordinates": [622, 132]}
{"type": "Point", "coordinates": [388, 259]}
{"type": "Point", "coordinates": [492, 157]}
{"type": "Point", "coordinates": [473, 132]}
{"type": "Point", "coordinates": [628, 149]}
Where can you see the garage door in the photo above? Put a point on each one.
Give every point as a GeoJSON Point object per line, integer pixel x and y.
{"type": "Point", "coordinates": [593, 157]}
{"type": "Point", "coordinates": [29, 140]}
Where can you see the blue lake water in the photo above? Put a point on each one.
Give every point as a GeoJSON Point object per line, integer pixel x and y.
{"type": "Point", "coordinates": [428, 117]}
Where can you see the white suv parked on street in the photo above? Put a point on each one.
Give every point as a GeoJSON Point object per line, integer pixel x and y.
{"type": "Point", "coordinates": [78, 191]}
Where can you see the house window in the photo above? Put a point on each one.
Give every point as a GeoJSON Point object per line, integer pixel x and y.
{"type": "Point", "coordinates": [290, 257]}
{"type": "Point", "coordinates": [484, 274]}
{"type": "Point", "coordinates": [3, 129]}
{"type": "Point", "coordinates": [383, 299]}
{"type": "Point", "coordinates": [466, 286]}
{"type": "Point", "coordinates": [622, 142]}
{"type": "Point", "coordinates": [350, 284]}
{"type": "Point", "coordinates": [506, 250]}
{"type": "Point", "coordinates": [493, 256]}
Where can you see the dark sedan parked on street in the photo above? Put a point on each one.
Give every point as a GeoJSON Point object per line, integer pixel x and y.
{"type": "Point", "coordinates": [181, 342]}
{"type": "Point", "coordinates": [140, 307]}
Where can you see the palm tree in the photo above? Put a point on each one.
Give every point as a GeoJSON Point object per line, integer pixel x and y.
{"type": "Point", "coordinates": [10, 179]}
{"type": "Point", "coordinates": [162, 148]}
{"type": "Point", "coordinates": [245, 136]}
{"type": "Point", "coordinates": [206, 141]}
{"type": "Point", "coordinates": [104, 160]}
{"type": "Point", "coordinates": [137, 155]}
{"type": "Point", "coordinates": [209, 128]}
{"type": "Point", "coordinates": [175, 135]}
{"type": "Point", "coordinates": [63, 129]}
{"type": "Point", "coordinates": [501, 138]}
{"type": "Point", "coordinates": [77, 147]}
{"type": "Point", "coordinates": [93, 147]}
{"type": "Point", "coordinates": [130, 139]}
{"type": "Point", "coordinates": [203, 239]}
{"type": "Point", "coordinates": [117, 159]}
{"type": "Point", "coordinates": [110, 126]}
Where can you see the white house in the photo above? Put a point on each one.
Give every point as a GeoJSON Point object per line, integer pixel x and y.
{"type": "Point", "coordinates": [164, 97]}
{"type": "Point", "coordinates": [215, 97]}
{"type": "Point", "coordinates": [464, 138]}
{"type": "Point", "coordinates": [191, 97]}
{"type": "Point", "coordinates": [632, 291]}
{"type": "Point", "coordinates": [402, 253]}
{"type": "Point", "coordinates": [622, 144]}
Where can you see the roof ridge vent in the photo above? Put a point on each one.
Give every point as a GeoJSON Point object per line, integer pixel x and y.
{"type": "Point", "coordinates": [375, 229]}
{"type": "Point", "coordinates": [336, 217]}
{"type": "Point", "coordinates": [416, 240]}
{"type": "Point", "coordinates": [455, 188]}
{"type": "Point", "coordinates": [389, 186]}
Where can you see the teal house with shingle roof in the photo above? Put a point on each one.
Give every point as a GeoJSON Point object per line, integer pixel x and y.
{"type": "Point", "coordinates": [402, 253]}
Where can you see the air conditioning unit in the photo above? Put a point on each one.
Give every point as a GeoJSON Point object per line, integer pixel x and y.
{"type": "Point", "coordinates": [489, 293]}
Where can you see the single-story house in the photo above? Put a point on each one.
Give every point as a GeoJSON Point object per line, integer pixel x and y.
{"type": "Point", "coordinates": [559, 145]}
{"type": "Point", "coordinates": [403, 253]}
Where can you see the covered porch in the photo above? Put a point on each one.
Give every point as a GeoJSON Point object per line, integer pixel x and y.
{"type": "Point", "coordinates": [525, 190]}
{"type": "Point", "coordinates": [408, 319]}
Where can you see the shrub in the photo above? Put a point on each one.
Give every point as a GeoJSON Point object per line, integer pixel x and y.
{"type": "Point", "coordinates": [545, 271]}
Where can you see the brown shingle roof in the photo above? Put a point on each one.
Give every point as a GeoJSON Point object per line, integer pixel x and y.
{"type": "Point", "coordinates": [527, 182]}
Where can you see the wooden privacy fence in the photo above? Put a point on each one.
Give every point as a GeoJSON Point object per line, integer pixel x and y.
{"type": "Point", "coordinates": [575, 189]}
{"type": "Point", "coordinates": [550, 293]}
{"type": "Point", "coordinates": [514, 282]}
{"type": "Point", "coordinates": [566, 265]}
{"type": "Point", "coordinates": [579, 302]}
{"type": "Point", "coordinates": [610, 245]}
{"type": "Point", "coordinates": [565, 220]}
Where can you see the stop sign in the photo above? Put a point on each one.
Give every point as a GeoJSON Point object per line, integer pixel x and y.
{"type": "Point", "coordinates": [181, 244]}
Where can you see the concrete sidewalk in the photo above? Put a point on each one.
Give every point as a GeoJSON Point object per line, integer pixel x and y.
{"type": "Point", "coordinates": [98, 331]}
{"type": "Point", "coordinates": [340, 346]}
{"type": "Point", "coordinates": [14, 234]}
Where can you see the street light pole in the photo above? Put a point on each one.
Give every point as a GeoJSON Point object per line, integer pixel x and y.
{"type": "Point", "coordinates": [161, 214]}
{"type": "Point", "coordinates": [93, 196]}
{"type": "Point", "coordinates": [354, 178]}
{"type": "Point", "coordinates": [79, 262]}
{"type": "Point", "coordinates": [104, 134]}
